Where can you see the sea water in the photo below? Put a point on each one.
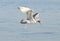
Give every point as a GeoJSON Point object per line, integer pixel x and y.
{"type": "Point", "coordinates": [12, 30]}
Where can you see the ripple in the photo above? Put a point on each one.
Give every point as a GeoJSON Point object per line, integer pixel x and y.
{"type": "Point", "coordinates": [36, 33]}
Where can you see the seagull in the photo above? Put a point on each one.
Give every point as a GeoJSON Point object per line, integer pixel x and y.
{"type": "Point", "coordinates": [29, 17]}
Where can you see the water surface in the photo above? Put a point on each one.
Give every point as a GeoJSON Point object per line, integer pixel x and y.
{"type": "Point", "coordinates": [12, 30]}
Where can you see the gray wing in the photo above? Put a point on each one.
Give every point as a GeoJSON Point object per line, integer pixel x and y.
{"type": "Point", "coordinates": [28, 15]}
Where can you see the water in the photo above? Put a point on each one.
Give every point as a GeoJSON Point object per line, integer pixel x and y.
{"type": "Point", "coordinates": [12, 30]}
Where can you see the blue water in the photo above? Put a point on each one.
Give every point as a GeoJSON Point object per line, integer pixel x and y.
{"type": "Point", "coordinates": [12, 30]}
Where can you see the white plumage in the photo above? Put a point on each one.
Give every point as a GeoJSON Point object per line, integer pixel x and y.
{"type": "Point", "coordinates": [24, 9]}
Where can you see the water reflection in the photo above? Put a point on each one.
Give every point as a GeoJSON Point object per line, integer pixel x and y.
{"type": "Point", "coordinates": [25, 26]}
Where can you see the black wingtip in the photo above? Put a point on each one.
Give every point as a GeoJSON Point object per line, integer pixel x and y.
{"type": "Point", "coordinates": [22, 22]}
{"type": "Point", "coordinates": [38, 21]}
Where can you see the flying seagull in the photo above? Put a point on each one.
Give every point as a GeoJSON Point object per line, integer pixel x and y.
{"type": "Point", "coordinates": [29, 17]}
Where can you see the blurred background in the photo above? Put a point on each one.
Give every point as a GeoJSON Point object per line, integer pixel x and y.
{"type": "Point", "coordinates": [12, 30]}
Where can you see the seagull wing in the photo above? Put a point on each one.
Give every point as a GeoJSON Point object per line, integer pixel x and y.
{"type": "Point", "coordinates": [36, 15]}
{"type": "Point", "coordinates": [26, 10]}
{"type": "Point", "coordinates": [28, 15]}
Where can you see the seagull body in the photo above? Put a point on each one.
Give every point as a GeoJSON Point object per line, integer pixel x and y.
{"type": "Point", "coordinates": [29, 17]}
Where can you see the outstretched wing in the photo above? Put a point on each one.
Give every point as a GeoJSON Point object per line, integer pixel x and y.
{"type": "Point", "coordinates": [36, 15]}
{"type": "Point", "coordinates": [26, 10]}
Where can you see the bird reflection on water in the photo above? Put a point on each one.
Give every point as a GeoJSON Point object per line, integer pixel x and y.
{"type": "Point", "coordinates": [25, 26]}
